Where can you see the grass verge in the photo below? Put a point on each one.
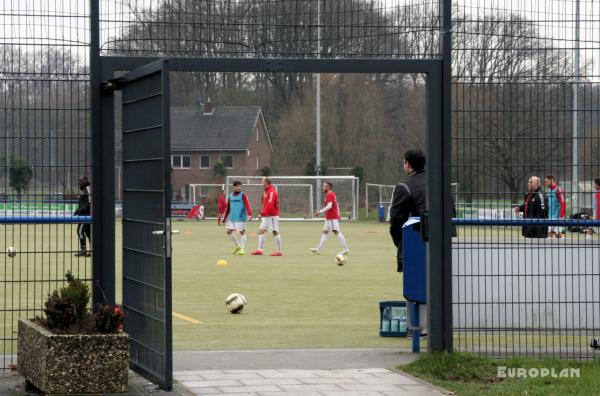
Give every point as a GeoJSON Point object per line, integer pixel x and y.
{"type": "Point", "coordinates": [467, 375]}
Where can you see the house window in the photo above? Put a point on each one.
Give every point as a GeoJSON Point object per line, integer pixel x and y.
{"type": "Point", "coordinates": [227, 160]}
{"type": "Point", "coordinates": [181, 161]}
{"type": "Point", "coordinates": [205, 161]}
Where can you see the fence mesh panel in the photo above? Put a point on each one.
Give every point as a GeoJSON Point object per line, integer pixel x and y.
{"type": "Point", "coordinates": [270, 28]}
{"type": "Point", "coordinates": [526, 103]}
{"type": "Point", "coordinates": [44, 148]}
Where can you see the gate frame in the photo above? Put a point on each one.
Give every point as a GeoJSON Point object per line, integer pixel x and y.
{"type": "Point", "coordinates": [439, 197]}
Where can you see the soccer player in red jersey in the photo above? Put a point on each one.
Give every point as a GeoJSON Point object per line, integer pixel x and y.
{"type": "Point", "coordinates": [591, 230]}
{"type": "Point", "coordinates": [221, 207]}
{"type": "Point", "coordinates": [332, 220]}
{"type": "Point", "coordinates": [269, 216]}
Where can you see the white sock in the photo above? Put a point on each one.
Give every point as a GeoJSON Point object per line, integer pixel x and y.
{"type": "Point", "coordinates": [342, 240]}
{"type": "Point", "coordinates": [278, 242]}
{"type": "Point", "coordinates": [261, 242]}
{"type": "Point", "coordinates": [323, 240]}
{"type": "Point", "coordinates": [243, 241]}
{"type": "Point", "coordinates": [233, 239]}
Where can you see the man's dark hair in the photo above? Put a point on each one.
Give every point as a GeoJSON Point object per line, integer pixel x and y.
{"type": "Point", "coordinates": [237, 183]}
{"type": "Point", "coordinates": [415, 158]}
{"type": "Point", "coordinates": [330, 184]}
{"type": "Point", "coordinates": [597, 181]}
{"type": "Point", "coordinates": [550, 177]}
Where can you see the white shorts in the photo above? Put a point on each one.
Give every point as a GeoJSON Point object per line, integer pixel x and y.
{"type": "Point", "coordinates": [331, 225]}
{"type": "Point", "coordinates": [236, 225]}
{"type": "Point", "coordinates": [270, 223]}
{"type": "Point", "coordinates": [555, 229]}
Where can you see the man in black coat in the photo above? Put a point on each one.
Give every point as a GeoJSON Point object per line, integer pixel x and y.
{"type": "Point", "coordinates": [409, 199]}
{"type": "Point", "coordinates": [84, 208]}
{"type": "Point", "coordinates": [534, 207]}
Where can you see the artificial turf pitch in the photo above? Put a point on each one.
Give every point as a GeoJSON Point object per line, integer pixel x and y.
{"type": "Point", "coordinates": [300, 300]}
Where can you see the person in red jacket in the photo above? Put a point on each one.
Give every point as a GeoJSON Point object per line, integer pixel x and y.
{"type": "Point", "coordinates": [269, 216]}
{"type": "Point", "coordinates": [221, 207]}
{"type": "Point", "coordinates": [590, 232]}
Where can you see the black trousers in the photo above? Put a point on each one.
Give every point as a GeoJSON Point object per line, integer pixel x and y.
{"type": "Point", "coordinates": [84, 231]}
{"type": "Point", "coordinates": [396, 233]}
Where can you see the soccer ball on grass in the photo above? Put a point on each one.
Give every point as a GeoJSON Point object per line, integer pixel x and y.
{"type": "Point", "coordinates": [11, 251]}
{"type": "Point", "coordinates": [235, 303]}
{"type": "Point", "coordinates": [340, 259]}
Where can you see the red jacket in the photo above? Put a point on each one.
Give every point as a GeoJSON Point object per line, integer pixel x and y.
{"type": "Point", "coordinates": [222, 203]}
{"type": "Point", "coordinates": [270, 202]}
{"type": "Point", "coordinates": [598, 204]}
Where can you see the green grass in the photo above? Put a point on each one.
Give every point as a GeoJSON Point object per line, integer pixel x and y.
{"type": "Point", "coordinates": [296, 301]}
{"type": "Point", "coordinates": [469, 375]}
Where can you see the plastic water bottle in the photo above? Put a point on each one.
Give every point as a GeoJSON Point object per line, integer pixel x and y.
{"type": "Point", "coordinates": [403, 322]}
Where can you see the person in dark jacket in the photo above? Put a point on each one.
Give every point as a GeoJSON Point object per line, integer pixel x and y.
{"type": "Point", "coordinates": [409, 199]}
{"type": "Point", "coordinates": [534, 207]}
{"type": "Point", "coordinates": [84, 208]}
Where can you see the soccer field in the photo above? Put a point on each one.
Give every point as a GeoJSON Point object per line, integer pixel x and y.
{"type": "Point", "coordinates": [296, 301]}
{"type": "Point", "coordinates": [299, 300]}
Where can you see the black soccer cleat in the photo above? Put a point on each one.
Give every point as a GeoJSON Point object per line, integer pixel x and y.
{"type": "Point", "coordinates": [82, 253]}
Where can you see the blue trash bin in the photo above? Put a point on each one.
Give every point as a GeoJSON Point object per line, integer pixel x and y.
{"type": "Point", "coordinates": [381, 212]}
{"type": "Point", "coordinates": [415, 275]}
{"type": "Point", "coordinates": [393, 320]}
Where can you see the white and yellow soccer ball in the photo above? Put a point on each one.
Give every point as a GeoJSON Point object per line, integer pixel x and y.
{"type": "Point", "coordinates": [235, 303]}
{"type": "Point", "coordinates": [340, 259]}
{"type": "Point", "coordinates": [11, 251]}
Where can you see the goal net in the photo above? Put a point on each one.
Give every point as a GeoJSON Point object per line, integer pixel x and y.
{"type": "Point", "coordinates": [377, 195]}
{"type": "Point", "coordinates": [295, 200]}
{"type": "Point", "coordinates": [301, 196]}
{"type": "Point", "coordinates": [206, 195]}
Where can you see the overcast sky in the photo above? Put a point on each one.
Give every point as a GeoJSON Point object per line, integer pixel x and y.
{"type": "Point", "coordinates": [65, 22]}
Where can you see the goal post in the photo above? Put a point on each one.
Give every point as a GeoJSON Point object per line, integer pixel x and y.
{"type": "Point", "coordinates": [298, 204]}
{"type": "Point", "coordinates": [207, 196]}
{"type": "Point", "coordinates": [377, 195]}
{"type": "Point", "coordinates": [295, 199]}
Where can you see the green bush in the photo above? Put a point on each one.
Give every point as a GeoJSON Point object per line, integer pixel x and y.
{"type": "Point", "coordinates": [67, 311]}
{"type": "Point", "coordinates": [68, 307]}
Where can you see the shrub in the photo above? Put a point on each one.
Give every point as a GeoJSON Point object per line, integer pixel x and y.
{"type": "Point", "coordinates": [67, 311]}
{"type": "Point", "coordinates": [68, 307]}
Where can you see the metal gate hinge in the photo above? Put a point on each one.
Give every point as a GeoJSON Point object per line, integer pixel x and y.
{"type": "Point", "coordinates": [116, 84]}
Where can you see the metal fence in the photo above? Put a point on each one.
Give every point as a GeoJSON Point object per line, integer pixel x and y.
{"type": "Point", "coordinates": [44, 148]}
{"type": "Point", "coordinates": [526, 102]}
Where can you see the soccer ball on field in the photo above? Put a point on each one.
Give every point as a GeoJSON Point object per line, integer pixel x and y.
{"type": "Point", "coordinates": [235, 303]}
{"type": "Point", "coordinates": [11, 251]}
{"type": "Point", "coordinates": [340, 259]}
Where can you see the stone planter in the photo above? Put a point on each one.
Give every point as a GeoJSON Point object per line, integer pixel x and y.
{"type": "Point", "coordinates": [72, 364]}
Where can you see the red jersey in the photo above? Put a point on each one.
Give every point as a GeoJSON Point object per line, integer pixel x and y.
{"type": "Point", "coordinates": [334, 212]}
{"type": "Point", "coordinates": [222, 203]}
{"type": "Point", "coordinates": [270, 202]}
{"type": "Point", "coordinates": [598, 204]}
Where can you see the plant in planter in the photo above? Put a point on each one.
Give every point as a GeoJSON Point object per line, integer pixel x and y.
{"type": "Point", "coordinates": [72, 350]}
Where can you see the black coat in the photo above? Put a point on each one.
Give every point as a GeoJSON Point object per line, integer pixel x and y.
{"type": "Point", "coordinates": [409, 200]}
{"type": "Point", "coordinates": [84, 205]}
{"type": "Point", "coordinates": [535, 207]}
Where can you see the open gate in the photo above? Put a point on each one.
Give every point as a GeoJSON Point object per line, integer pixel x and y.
{"type": "Point", "coordinates": [147, 221]}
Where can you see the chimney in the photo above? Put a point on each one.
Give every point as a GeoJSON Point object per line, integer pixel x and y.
{"type": "Point", "coordinates": [208, 107]}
